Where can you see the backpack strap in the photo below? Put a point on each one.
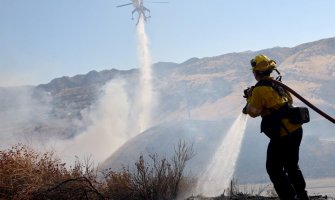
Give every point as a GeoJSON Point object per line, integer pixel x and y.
{"type": "Point", "coordinates": [276, 87]}
{"type": "Point", "coordinates": [282, 111]}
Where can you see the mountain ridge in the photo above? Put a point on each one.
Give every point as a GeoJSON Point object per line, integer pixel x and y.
{"type": "Point", "coordinates": [276, 53]}
{"type": "Point", "coordinates": [198, 89]}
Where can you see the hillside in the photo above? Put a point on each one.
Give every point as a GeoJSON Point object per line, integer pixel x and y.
{"type": "Point", "coordinates": [198, 98]}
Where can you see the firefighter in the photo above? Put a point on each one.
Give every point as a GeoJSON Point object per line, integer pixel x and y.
{"type": "Point", "coordinates": [269, 101]}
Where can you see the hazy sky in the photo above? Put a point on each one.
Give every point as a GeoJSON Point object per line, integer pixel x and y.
{"type": "Point", "coordinates": [44, 39]}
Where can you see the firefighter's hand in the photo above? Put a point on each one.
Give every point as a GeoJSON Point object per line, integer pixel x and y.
{"type": "Point", "coordinates": [248, 92]}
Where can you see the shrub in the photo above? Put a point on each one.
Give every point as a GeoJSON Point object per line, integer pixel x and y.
{"type": "Point", "coordinates": [24, 172]}
{"type": "Point", "coordinates": [158, 179]}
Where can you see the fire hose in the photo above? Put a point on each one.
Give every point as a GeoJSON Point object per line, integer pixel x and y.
{"type": "Point", "coordinates": [331, 119]}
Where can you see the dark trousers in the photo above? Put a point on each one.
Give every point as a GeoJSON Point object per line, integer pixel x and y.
{"type": "Point", "coordinates": [282, 166]}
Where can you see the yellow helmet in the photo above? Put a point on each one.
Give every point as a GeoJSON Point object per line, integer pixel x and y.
{"type": "Point", "coordinates": [262, 63]}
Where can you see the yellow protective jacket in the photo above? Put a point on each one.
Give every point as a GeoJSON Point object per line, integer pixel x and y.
{"type": "Point", "coordinates": [265, 100]}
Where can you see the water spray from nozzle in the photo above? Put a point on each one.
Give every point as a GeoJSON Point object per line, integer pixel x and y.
{"type": "Point", "coordinates": [220, 171]}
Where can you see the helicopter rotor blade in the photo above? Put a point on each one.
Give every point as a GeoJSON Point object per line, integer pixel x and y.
{"type": "Point", "coordinates": [124, 5]}
{"type": "Point", "coordinates": [156, 1]}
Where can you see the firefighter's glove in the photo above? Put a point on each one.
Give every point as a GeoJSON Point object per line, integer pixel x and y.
{"type": "Point", "coordinates": [248, 92]}
{"type": "Point", "coordinates": [244, 111]}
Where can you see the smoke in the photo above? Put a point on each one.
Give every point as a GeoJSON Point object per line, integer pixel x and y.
{"type": "Point", "coordinates": [21, 113]}
{"type": "Point", "coordinates": [118, 118]}
{"type": "Point", "coordinates": [115, 118]}
{"type": "Point", "coordinates": [220, 171]}
{"type": "Point", "coordinates": [26, 117]}
{"type": "Point", "coordinates": [109, 126]}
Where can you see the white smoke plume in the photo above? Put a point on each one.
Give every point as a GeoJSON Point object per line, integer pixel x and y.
{"type": "Point", "coordinates": [112, 121]}
{"type": "Point", "coordinates": [108, 129]}
{"type": "Point", "coordinates": [118, 118]}
{"type": "Point", "coordinates": [20, 112]}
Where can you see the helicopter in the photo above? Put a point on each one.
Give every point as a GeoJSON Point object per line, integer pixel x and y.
{"type": "Point", "coordinates": [140, 9]}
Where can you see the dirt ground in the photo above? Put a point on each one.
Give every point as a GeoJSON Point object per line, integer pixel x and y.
{"type": "Point", "coordinates": [247, 197]}
{"type": "Point", "coordinates": [318, 189]}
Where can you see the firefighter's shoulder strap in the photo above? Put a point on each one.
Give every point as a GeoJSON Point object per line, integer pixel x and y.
{"type": "Point", "coordinates": [271, 125]}
{"type": "Point", "coordinates": [276, 87]}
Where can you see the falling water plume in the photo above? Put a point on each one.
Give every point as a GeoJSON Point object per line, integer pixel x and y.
{"type": "Point", "coordinates": [146, 93]}
{"type": "Point", "coordinates": [115, 120]}
{"type": "Point", "coordinates": [220, 171]}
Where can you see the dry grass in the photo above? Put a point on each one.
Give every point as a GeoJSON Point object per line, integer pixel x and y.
{"type": "Point", "coordinates": [26, 174]}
